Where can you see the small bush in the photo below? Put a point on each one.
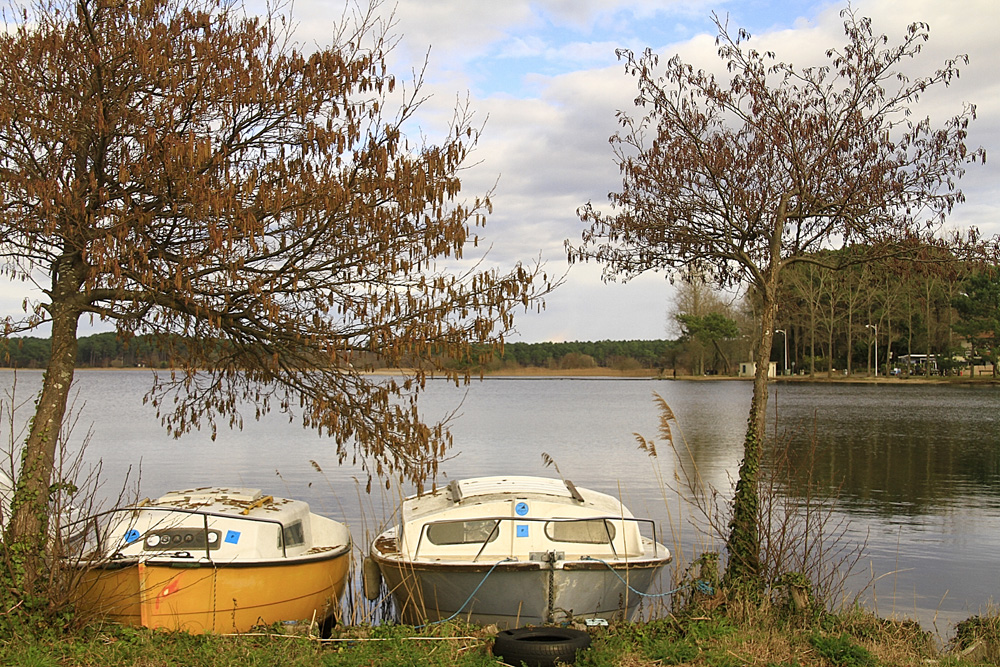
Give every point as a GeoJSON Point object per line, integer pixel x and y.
{"type": "Point", "coordinates": [977, 639]}
{"type": "Point", "coordinates": [843, 651]}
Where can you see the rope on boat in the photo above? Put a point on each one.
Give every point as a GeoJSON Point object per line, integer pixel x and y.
{"type": "Point", "coordinates": [700, 584]}
{"type": "Point", "coordinates": [471, 595]}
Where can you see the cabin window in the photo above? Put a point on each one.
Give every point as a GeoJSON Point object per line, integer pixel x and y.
{"type": "Point", "coordinates": [462, 532]}
{"type": "Point", "coordinates": [293, 535]}
{"type": "Point", "coordinates": [591, 531]}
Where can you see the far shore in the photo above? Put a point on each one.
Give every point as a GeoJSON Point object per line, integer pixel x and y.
{"type": "Point", "coordinates": [649, 374]}
{"type": "Point", "coordinates": [644, 374]}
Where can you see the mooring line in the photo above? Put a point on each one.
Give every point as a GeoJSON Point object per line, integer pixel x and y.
{"type": "Point", "coordinates": [702, 585]}
{"type": "Point", "coordinates": [471, 595]}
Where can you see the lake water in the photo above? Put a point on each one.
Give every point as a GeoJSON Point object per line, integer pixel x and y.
{"type": "Point", "coordinates": [915, 469]}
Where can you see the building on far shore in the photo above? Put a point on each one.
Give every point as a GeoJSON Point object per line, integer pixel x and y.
{"type": "Point", "coordinates": [749, 368]}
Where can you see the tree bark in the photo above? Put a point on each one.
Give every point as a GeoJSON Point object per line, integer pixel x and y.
{"type": "Point", "coordinates": [26, 534]}
{"type": "Point", "coordinates": [743, 544]}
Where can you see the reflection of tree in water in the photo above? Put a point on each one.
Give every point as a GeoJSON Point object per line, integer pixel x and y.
{"type": "Point", "coordinates": [692, 501]}
{"type": "Point", "coordinates": [802, 534]}
{"type": "Point", "coordinates": [893, 450]}
{"type": "Point", "coordinates": [714, 418]}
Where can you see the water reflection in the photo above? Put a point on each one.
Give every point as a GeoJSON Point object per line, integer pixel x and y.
{"type": "Point", "coordinates": [900, 451]}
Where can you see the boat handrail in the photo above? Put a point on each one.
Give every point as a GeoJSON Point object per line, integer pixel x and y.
{"type": "Point", "coordinates": [205, 514]}
{"type": "Point", "coordinates": [520, 519]}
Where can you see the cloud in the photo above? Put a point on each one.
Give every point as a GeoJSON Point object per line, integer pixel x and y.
{"type": "Point", "coordinates": [549, 147]}
{"type": "Point", "coordinates": [543, 76]}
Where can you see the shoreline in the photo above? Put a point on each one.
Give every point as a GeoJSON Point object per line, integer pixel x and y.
{"type": "Point", "coordinates": [598, 373]}
{"type": "Point", "coordinates": [645, 374]}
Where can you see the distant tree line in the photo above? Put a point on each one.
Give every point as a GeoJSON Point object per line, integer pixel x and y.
{"type": "Point", "coordinates": [623, 355]}
{"type": "Point", "coordinates": [103, 350]}
{"type": "Point", "coordinates": [924, 313]}
{"type": "Point", "coordinates": [108, 350]}
{"type": "Point", "coordinates": [923, 316]}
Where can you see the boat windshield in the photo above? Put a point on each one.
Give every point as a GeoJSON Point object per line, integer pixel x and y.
{"type": "Point", "coordinates": [292, 535]}
{"type": "Point", "coordinates": [590, 531]}
{"type": "Point", "coordinates": [462, 532]}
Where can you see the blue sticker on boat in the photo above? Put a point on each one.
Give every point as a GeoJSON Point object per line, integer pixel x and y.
{"type": "Point", "coordinates": [521, 509]}
{"type": "Point", "coordinates": [132, 535]}
{"type": "Point", "coordinates": [522, 530]}
{"type": "Point", "coordinates": [232, 536]}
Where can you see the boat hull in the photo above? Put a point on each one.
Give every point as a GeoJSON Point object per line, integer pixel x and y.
{"type": "Point", "coordinates": [515, 594]}
{"type": "Point", "coordinates": [205, 597]}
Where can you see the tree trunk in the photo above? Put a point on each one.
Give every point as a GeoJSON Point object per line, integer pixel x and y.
{"type": "Point", "coordinates": [26, 534]}
{"type": "Point", "coordinates": [928, 295]}
{"type": "Point", "coordinates": [830, 332]}
{"type": "Point", "coordinates": [850, 341]}
{"type": "Point", "coordinates": [743, 544]}
{"type": "Point", "coordinates": [813, 305]}
{"type": "Point", "coordinates": [885, 358]}
{"type": "Point", "coordinates": [725, 359]}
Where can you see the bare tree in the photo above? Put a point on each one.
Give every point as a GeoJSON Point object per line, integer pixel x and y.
{"type": "Point", "coordinates": [183, 169]}
{"type": "Point", "coordinates": [758, 170]}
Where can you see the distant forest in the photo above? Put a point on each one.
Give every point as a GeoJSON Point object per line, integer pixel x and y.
{"type": "Point", "coordinates": [104, 350]}
{"type": "Point", "coordinates": [905, 317]}
{"type": "Point", "coordinates": [108, 350]}
{"type": "Point", "coordinates": [622, 355]}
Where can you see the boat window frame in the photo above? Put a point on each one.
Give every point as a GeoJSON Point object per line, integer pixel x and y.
{"type": "Point", "coordinates": [610, 532]}
{"type": "Point", "coordinates": [522, 519]}
{"type": "Point", "coordinates": [490, 537]}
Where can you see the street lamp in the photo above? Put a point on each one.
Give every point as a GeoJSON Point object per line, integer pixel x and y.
{"type": "Point", "coordinates": [784, 370]}
{"type": "Point", "coordinates": [875, 330]}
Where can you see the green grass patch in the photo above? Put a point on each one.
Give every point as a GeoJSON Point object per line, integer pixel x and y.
{"type": "Point", "coordinates": [843, 651]}
{"type": "Point", "coordinates": [709, 641]}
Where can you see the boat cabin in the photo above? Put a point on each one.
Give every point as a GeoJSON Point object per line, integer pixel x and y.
{"type": "Point", "coordinates": [522, 518]}
{"type": "Point", "coordinates": [214, 523]}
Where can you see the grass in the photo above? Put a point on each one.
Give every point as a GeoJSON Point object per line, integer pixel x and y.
{"type": "Point", "coordinates": [766, 638]}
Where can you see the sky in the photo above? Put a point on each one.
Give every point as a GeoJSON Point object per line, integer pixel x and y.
{"type": "Point", "coordinates": [543, 78]}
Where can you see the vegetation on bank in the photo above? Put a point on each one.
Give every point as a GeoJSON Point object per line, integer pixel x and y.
{"type": "Point", "coordinates": [645, 358]}
{"type": "Point", "coordinates": [724, 637]}
{"type": "Point", "coordinates": [902, 316]}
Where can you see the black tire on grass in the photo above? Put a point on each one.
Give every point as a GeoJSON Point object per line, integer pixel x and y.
{"type": "Point", "coordinates": [540, 647]}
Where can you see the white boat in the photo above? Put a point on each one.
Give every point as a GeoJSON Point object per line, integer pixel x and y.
{"type": "Point", "coordinates": [515, 551]}
{"type": "Point", "coordinates": [214, 560]}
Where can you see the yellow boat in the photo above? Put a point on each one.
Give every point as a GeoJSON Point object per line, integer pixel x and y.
{"type": "Point", "coordinates": [215, 560]}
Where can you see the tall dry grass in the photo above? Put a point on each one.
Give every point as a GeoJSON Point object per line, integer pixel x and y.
{"type": "Point", "coordinates": [806, 558]}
